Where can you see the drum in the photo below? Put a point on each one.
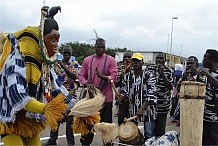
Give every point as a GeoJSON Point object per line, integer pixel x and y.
{"type": "Point", "coordinates": [130, 134]}
{"type": "Point", "coordinates": [192, 100]}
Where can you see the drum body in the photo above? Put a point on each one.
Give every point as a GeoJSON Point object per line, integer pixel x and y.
{"type": "Point", "coordinates": [191, 112]}
{"type": "Point", "coordinates": [130, 134]}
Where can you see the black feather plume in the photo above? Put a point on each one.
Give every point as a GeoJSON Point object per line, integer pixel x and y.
{"type": "Point", "coordinates": [53, 11]}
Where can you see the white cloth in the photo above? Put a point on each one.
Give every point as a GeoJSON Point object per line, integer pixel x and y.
{"type": "Point", "coordinates": [170, 138]}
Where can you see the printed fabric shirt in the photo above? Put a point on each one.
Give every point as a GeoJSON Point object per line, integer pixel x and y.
{"type": "Point", "coordinates": [164, 97]}
{"type": "Point", "coordinates": [140, 89]}
{"type": "Point", "coordinates": [87, 73]}
{"type": "Point", "coordinates": [211, 102]}
{"type": "Point", "coordinates": [63, 77]}
{"type": "Point", "coordinates": [120, 70]}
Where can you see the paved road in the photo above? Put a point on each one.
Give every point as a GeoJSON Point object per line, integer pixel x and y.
{"type": "Point", "coordinates": [96, 142]}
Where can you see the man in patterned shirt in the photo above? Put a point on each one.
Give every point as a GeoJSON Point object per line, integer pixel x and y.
{"type": "Point", "coordinates": [210, 123]}
{"type": "Point", "coordinates": [190, 74]}
{"type": "Point", "coordinates": [67, 70]}
{"type": "Point", "coordinates": [139, 87]}
{"type": "Point", "coordinates": [124, 68]}
{"type": "Point", "coordinates": [164, 86]}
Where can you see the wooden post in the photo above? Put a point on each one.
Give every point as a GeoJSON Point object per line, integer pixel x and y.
{"type": "Point", "coordinates": [192, 99]}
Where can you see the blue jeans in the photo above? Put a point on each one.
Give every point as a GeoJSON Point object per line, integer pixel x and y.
{"type": "Point", "coordinates": [69, 133]}
{"type": "Point", "coordinates": [149, 129]}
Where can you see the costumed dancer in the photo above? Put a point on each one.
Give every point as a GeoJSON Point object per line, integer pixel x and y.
{"type": "Point", "coordinates": [26, 78]}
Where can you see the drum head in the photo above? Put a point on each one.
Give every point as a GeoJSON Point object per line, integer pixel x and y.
{"type": "Point", "coordinates": [128, 131]}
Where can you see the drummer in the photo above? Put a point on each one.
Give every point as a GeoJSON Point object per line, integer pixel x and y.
{"type": "Point", "coordinates": [139, 87]}
{"type": "Point", "coordinates": [190, 73]}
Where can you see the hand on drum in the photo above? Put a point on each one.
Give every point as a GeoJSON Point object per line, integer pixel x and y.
{"type": "Point", "coordinates": [140, 112]}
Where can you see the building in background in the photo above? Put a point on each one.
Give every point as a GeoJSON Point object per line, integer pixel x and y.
{"type": "Point", "coordinates": [149, 58]}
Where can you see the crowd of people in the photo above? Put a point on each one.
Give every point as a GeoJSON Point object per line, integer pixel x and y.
{"type": "Point", "coordinates": [36, 91]}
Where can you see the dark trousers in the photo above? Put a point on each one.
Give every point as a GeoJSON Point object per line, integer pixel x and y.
{"type": "Point", "coordinates": [160, 124]}
{"type": "Point", "coordinates": [123, 113]}
{"type": "Point", "coordinates": [174, 104]}
{"type": "Point", "coordinates": [210, 133]}
{"type": "Point", "coordinates": [106, 116]}
{"type": "Point", "coordinates": [69, 133]}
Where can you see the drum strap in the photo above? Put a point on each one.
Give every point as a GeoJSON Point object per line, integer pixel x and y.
{"type": "Point", "coordinates": [90, 73]}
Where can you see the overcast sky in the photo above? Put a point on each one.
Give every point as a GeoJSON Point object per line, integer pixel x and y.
{"type": "Point", "coordinates": [139, 25]}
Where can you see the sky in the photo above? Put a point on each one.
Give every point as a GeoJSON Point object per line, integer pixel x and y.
{"type": "Point", "coordinates": [138, 25]}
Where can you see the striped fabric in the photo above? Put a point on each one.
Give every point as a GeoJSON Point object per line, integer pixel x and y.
{"type": "Point", "coordinates": [120, 69]}
{"type": "Point", "coordinates": [211, 102]}
{"type": "Point", "coordinates": [140, 89]}
{"type": "Point", "coordinates": [164, 95]}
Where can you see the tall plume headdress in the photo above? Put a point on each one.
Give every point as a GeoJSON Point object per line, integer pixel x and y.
{"type": "Point", "coordinates": [47, 23]}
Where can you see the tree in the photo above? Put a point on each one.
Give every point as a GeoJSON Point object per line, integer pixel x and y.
{"type": "Point", "coordinates": [82, 50]}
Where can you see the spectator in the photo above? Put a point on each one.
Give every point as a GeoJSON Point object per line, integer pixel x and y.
{"type": "Point", "coordinates": [164, 86]}
{"type": "Point", "coordinates": [123, 108]}
{"type": "Point", "coordinates": [210, 123]}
